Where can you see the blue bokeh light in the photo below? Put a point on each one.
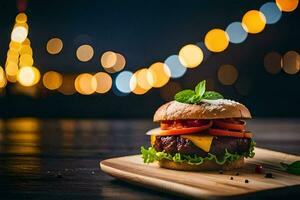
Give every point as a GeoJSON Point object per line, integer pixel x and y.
{"type": "Point", "coordinates": [271, 12]}
{"type": "Point", "coordinates": [176, 68]}
{"type": "Point", "coordinates": [236, 32]}
{"type": "Point", "coordinates": [122, 81]}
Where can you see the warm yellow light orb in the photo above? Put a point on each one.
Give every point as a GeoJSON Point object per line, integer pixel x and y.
{"type": "Point", "coordinates": [26, 60]}
{"type": "Point", "coordinates": [12, 56]}
{"type": "Point", "coordinates": [28, 76]}
{"type": "Point", "coordinates": [52, 80]}
{"type": "Point", "coordinates": [12, 79]}
{"type": "Point", "coordinates": [19, 34]}
{"type": "Point", "coordinates": [112, 62]}
{"type": "Point", "coordinates": [54, 46]}
{"type": "Point", "coordinates": [26, 49]}
{"type": "Point", "coordinates": [142, 79]}
{"type": "Point", "coordinates": [21, 18]}
{"type": "Point", "coordinates": [287, 5]}
{"type": "Point", "coordinates": [108, 59]}
{"type": "Point", "coordinates": [190, 56]}
{"type": "Point", "coordinates": [3, 81]}
{"type": "Point", "coordinates": [26, 42]}
{"type": "Point", "coordinates": [11, 69]}
{"type": "Point", "coordinates": [104, 82]}
{"type": "Point", "coordinates": [135, 85]}
{"type": "Point", "coordinates": [15, 45]}
{"type": "Point", "coordinates": [254, 21]}
{"type": "Point", "coordinates": [216, 40]}
{"type": "Point", "coordinates": [158, 74]}
{"type": "Point", "coordinates": [86, 84]}
{"type": "Point", "coordinates": [25, 25]}
{"type": "Point", "coordinates": [85, 53]}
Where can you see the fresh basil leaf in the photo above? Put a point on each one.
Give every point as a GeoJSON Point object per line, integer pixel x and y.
{"type": "Point", "coordinates": [293, 168]}
{"type": "Point", "coordinates": [195, 99]}
{"type": "Point", "coordinates": [184, 96]}
{"type": "Point", "coordinates": [200, 88]}
{"type": "Point", "coordinates": [211, 95]}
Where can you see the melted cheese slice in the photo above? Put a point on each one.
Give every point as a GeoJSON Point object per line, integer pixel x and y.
{"type": "Point", "coordinates": [202, 141]}
{"type": "Point", "coordinates": [152, 139]}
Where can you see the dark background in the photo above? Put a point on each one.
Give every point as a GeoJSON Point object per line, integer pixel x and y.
{"type": "Point", "coordinates": [146, 32]}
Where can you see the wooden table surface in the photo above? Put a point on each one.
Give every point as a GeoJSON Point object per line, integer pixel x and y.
{"type": "Point", "coordinates": [59, 159]}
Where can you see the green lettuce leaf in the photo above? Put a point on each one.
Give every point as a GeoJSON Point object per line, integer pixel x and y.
{"type": "Point", "coordinates": [150, 155]}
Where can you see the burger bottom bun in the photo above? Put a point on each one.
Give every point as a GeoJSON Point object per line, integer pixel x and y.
{"type": "Point", "coordinates": [205, 166]}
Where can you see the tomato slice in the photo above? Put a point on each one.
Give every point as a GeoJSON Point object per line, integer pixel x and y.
{"type": "Point", "coordinates": [222, 132]}
{"type": "Point", "coordinates": [177, 124]}
{"type": "Point", "coordinates": [237, 125]}
{"type": "Point", "coordinates": [179, 131]}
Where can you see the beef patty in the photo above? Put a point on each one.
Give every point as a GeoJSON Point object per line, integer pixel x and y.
{"type": "Point", "coordinates": [176, 144]}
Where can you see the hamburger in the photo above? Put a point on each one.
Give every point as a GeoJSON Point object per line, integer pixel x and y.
{"type": "Point", "coordinates": [200, 130]}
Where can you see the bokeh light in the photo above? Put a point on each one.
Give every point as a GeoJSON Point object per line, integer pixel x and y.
{"type": "Point", "coordinates": [26, 42]}
{"type": "Point", "coordinates": [227, 74]}
{"type": "Point", "coordinates": [21, 18]}
{"type": "Point", "coordinates": [273, 62]}
{"type": "Point", "coordinates": [236, 32]}
{"type": "Point", "coordinates": [19, 34]}
{"type": "Point", "coordinates": [26, 49]}
{"type": "Point", "coordinates": [136, 82]}
{"type": "Point", "coordinates": [290, 62]}
{"type": "Point", "coordinates": [11, 79]}
{"type": "Point", "coordinates": [158, 74]}
{"type": "Point", "coordinates": [26, 60]}
{"type": "Point", "coordinates": [139, 83]}
{"type": "Point", "coordinates": [28, 76]}
{"type": "Point", "coordinates": [177, 70]}
{"type": "Point", "coordinates": [11, 69]}
{"type": "Point", "coordinates": [168, 91]}
{"type": "Point", "coordinates": [85, 84]}
{"type": "Point", "coordinates": [143, 80]}
{"type": "Point", "coordinates": [67, 87]}
{"type": "Point", "coordinates": [15, 45]}
{"type": "Point", "coordinates": [216, 40]}
{"type": "Point", "coordinates": [254, 21]}
{"type": "Point", "coordinates": [287, 5]}
{"type": "Point", "coordinates": [54, 46]}
{"type": "Point", "coordinates": [104, 82]}
{"type": "Point", "coordinates": [85, 53]}
{"type": "Point", "coordinates": [122, 81]}
{"type": "Point", "coordinates": [52, 80]}
{"type": "Point", "coordinates": [108, 59]}
{"type": "Point", "coordinates": [112, 62]}
{"type": "Point", "coordinates": [271, 12]}
{"type": "Point", "coordinates": [190, 56]}
{"type": "Point", "coordinates": [3, 81]}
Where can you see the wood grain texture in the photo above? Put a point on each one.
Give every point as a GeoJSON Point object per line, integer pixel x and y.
{"type": "Point", "coordinates": [205, 184]}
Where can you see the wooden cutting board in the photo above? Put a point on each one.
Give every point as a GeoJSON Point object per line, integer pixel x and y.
{"type": "Point", "coordinates": [205, 184]}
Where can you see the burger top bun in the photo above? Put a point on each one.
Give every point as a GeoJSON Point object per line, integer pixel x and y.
{"type": "Point", "coordinates": [206, 109]}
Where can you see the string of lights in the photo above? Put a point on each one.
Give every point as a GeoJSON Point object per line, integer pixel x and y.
{"type": "Point", "coordinates": [19, 63]}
